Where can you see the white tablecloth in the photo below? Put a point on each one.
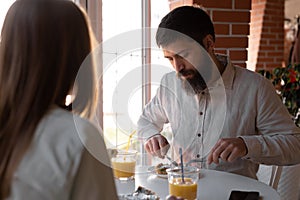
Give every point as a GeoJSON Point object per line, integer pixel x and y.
{"type": "Point", "coordinates": [212, 185]}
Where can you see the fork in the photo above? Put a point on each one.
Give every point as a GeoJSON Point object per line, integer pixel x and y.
{"type": "Point", "coordinates": [172, 161]}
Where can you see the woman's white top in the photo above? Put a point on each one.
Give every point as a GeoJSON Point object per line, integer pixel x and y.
{"type": "Point", "coordinates": [66, 160]}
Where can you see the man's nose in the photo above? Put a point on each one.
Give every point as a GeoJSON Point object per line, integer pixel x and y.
{"type": "Point", "coordinates": [178, 65]}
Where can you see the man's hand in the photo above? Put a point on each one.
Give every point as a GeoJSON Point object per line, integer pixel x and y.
{"type": "Point", "coordinates": [157, 145]}
{"type": "Point", "coordinates": [228, 149]}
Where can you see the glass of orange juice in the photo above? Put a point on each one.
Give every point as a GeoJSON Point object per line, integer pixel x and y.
{"type": "Point", "coordinates": [184, 187]}
{"type": "Point", "coordinates": [123, 164]}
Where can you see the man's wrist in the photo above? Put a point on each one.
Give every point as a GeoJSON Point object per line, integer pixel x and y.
{"type": "Point", "coordinates": [152, 136]}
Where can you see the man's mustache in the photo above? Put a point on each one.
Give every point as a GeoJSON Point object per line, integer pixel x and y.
{"type": "Point", "coordinates": [186, 72]}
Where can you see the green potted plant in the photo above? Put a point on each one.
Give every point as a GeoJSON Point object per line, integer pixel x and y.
{"type": "Point", "coordinates": [287, 83]}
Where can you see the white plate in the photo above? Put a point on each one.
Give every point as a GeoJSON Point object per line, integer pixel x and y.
{"type": "Point", "coordinates": [152, 170]}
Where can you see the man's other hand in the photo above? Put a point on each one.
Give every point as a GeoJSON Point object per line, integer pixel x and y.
{"type": "Point", "coordinates": [227, 149]}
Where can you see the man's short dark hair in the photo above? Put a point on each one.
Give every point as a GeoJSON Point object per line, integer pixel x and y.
{"type": "Point", "coordinates": [193, 22]}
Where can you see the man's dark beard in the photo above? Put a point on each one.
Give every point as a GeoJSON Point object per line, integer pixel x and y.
{"type": "Point", "coordinates": [193, 85]}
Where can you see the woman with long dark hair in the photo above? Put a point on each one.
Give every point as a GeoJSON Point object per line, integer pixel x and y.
{"type": "Point", "coordinates": [42, 142]}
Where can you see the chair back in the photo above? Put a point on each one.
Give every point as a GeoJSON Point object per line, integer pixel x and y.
{"type": "Point", "coordinates": [284, 179]}
{"type": "Point", "coordinates": [275, 176]}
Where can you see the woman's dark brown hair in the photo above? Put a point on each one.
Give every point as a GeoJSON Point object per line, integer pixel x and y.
{"type": "Point", "coordinates": [43, 44]}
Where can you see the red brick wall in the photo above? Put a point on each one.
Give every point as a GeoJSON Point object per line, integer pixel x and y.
{"type": "Point", "coordinates": [231, 19]}
{"type": "Point", "coordinates": [266, 49]}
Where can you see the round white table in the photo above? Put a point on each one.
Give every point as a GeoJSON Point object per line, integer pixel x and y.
{"type": "Point", "coordinates": [212, 185]}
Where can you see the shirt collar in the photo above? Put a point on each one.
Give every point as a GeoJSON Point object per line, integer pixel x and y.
{"type": "Point", "coordinates": [229, 72]}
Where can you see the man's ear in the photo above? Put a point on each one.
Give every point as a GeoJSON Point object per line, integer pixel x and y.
{"type": "Point", "coordinates": [209, 43]}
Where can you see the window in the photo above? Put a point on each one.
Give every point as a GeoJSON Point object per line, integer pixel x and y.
{"type": "Point", "coordinates": [122, 76]}
{"type": "Point", "coordinates": [4, 6]}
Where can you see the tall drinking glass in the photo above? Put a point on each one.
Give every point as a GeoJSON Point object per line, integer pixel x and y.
{"type": "Point", "coordinates": [183, 186]}
{"type": "Point", "coordinates": [123, 164]}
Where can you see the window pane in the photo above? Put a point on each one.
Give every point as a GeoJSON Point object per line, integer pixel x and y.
{"type": "Point", "coordinates": [4, 6]}
{"type": "Point", "coordinates": [122, 75]}
{"type": "Point", "coordinates": [122, 105]}
{"type": "Point", "coordinates": [160, 65]}
{"type": "Point", "coordinates": [120, 16]}
{"type": "Point", "coordinates": [159, 8]}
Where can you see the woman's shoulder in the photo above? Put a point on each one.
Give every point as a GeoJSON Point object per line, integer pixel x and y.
{"type": "Point", "coordinates": [62, 123]}
{"type": "Point", "coordinates": [70, 130]}
{"type": "Point", "coordinates": [60, 118]}
{"type": "Point", "coordinates": [54, 155]}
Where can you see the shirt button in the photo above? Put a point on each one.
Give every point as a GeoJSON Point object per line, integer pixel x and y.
{"type": "Point", "coordinates": [199, 134]}
{"type": "Point", "coordinates": [198, 156]}
{"type": "Point", "coordinates": [200, 113]}
{"type": "Point", "coordinates": [203, 93]}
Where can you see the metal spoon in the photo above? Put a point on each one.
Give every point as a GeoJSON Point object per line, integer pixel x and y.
{"type": "Point", "coordinates": [181, 165]}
